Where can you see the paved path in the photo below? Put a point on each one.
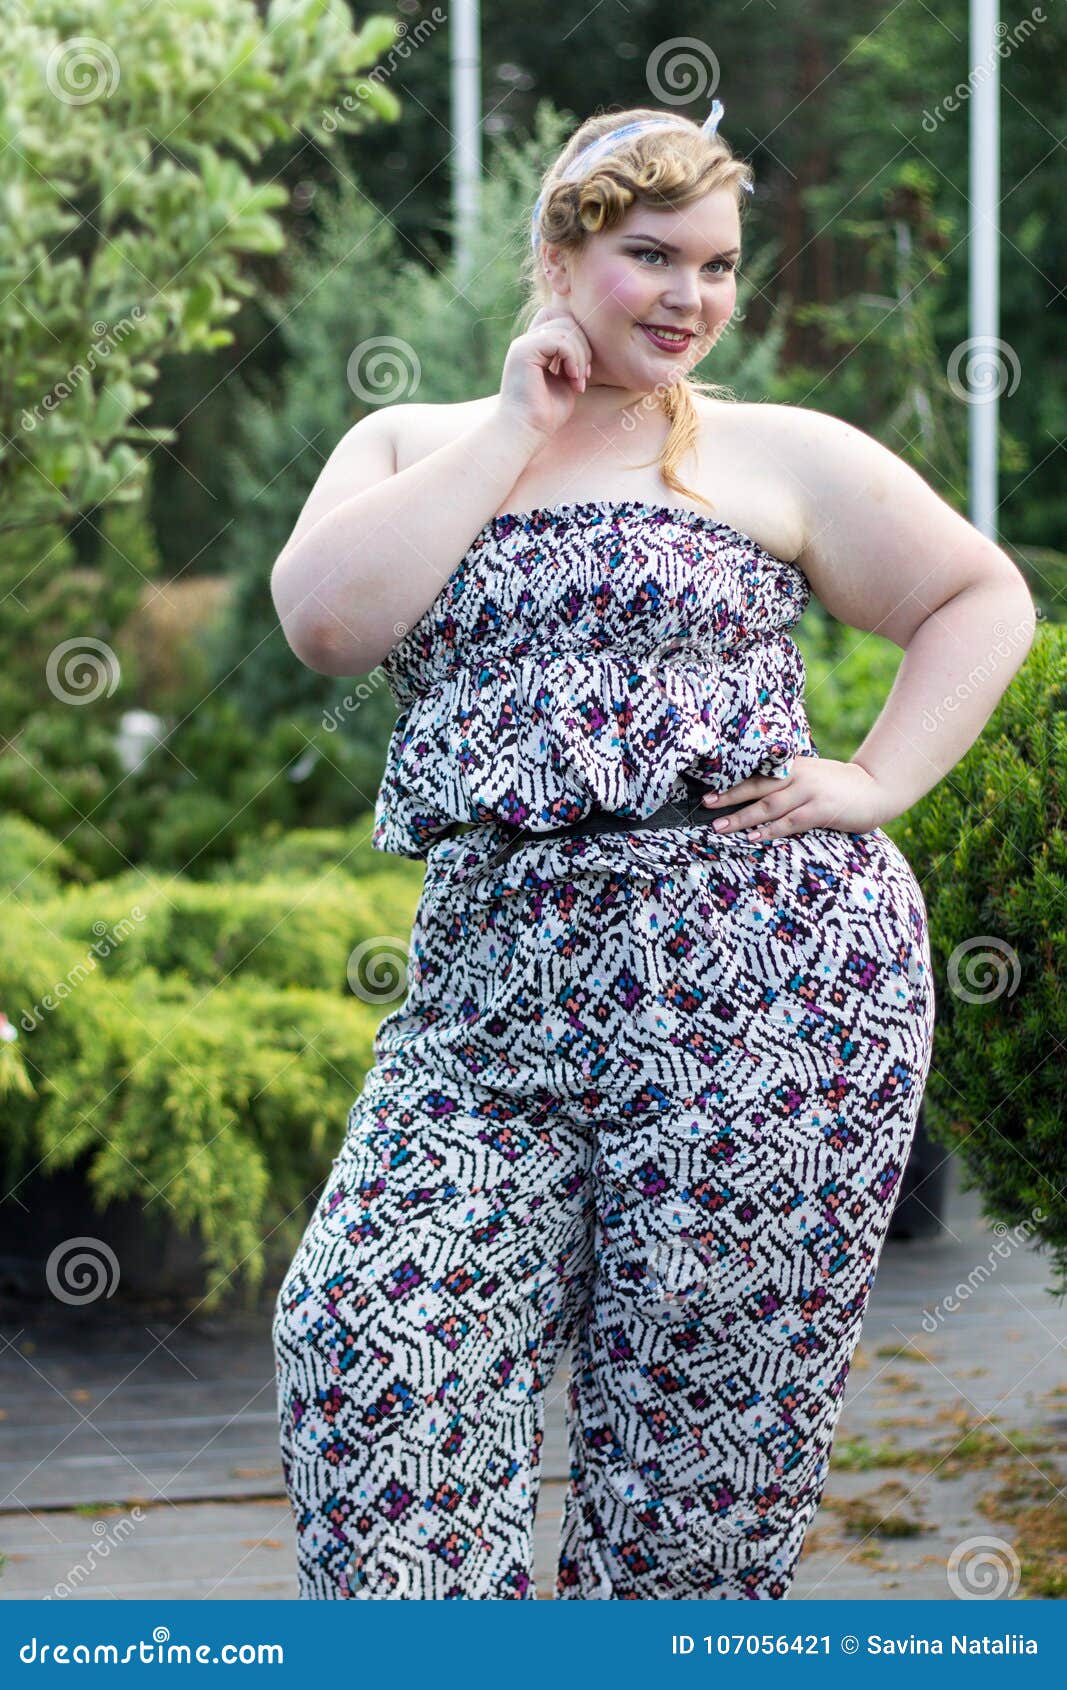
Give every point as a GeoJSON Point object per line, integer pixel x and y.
{"type": "Point", "coordinates": [179, 1418]}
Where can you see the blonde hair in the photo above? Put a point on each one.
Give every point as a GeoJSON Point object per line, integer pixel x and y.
{"type": "Point", "coordinates": [661, 168]}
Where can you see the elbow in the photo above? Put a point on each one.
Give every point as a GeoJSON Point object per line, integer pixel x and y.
{"type": "Point", "coordinates": [1019, 616]}
{"type": "Point", "coordinates": [1025, 614]}
{"type": "Point", "coordinates": [304, 629]}
{"type": "Point", "coordinates": [316, 650]}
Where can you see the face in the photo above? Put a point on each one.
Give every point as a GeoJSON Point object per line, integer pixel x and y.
{"type": "Point", "coordinates": [659, 268]}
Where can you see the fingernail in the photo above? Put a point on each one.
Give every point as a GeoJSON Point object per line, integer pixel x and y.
{"type": "Point", "coordinates": [722, 822]}
{"type": "Point", "coordinates": [711, 797]}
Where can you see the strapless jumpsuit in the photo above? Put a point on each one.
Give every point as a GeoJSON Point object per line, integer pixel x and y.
{"type": "Point", "coordinates": [645, 1105]}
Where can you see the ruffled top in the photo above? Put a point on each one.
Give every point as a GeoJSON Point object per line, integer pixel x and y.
{"type": "Point", "coordinates": [588, 655]}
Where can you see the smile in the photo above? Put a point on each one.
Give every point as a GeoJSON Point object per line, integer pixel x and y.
{"type": "Point", "coordinates": [668, 340]}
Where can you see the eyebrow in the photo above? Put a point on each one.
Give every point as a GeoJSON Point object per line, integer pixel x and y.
{"type": "Point", "coordinates": [653, 240]}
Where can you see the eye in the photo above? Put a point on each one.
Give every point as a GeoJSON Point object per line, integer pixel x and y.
{"type": "Point", "coordinates": [655, 251]}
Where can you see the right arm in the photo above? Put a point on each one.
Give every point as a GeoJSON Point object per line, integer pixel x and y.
{"type": "Point", "coordinates": [373, 545]}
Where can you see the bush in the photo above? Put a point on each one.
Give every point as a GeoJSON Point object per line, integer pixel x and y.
{"type": "Point", "coordinates": [225, 1116]}
{"type": "Point", "coordinates": [217, 784]}
{"type": "Point", "coordinates": [60, 776]}
{"type": "Point", "coordinates": [849, 676]}
{"type": "Point", "coordinates": [323, 853]}
{"type": "Point", "coordinates": [200, 1045]}
{"type": "Point", "coordinates": [989, 847]}
{"type": "Point", "coordinates": [282, 933]}
{"type": "Point", "coordinates": [32, 863]}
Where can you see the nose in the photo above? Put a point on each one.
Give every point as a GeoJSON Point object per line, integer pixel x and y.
{"type": "Point", "coordinates": [684, 299]}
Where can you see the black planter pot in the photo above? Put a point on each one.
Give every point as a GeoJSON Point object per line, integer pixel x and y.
{"type": "Point", "coordinates": [920, 1208]}
{"type": "Point", "coordinates": [153, 1259]}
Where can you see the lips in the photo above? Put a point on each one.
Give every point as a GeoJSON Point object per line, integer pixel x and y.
{"type": "Point", "coordinates": [678, 341]}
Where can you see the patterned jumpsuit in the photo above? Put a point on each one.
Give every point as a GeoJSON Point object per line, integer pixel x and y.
{"type": "Point", "coordinates": [646, 1103]}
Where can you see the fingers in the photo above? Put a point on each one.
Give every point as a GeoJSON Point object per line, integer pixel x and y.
{"type": "Point", "coordinates": [797, 820]}
{"type": "Point", "coordinates": [758, 788]}
{"type": "Point", "coordinates": [755, 816]}
{"type": "Point", "coordinates": [569, 345]}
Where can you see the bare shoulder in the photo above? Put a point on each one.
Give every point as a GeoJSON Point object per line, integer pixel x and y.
{"type": "Point", "coordinates": [881, 548]}
{"type": "Point", "coordinates": [418, 429]}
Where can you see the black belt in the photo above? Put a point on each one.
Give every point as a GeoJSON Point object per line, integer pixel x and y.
{"type": "Point", "coordinates": [684, 812]}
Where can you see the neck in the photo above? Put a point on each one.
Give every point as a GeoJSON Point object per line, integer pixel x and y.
{"type": "Point", "coordinates": [605, 402]}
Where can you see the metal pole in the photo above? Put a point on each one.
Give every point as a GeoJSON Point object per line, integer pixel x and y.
{"type": "Point", "coordinates": [984, 259]}
{"type": "Point", "coordinates": [467, 130]}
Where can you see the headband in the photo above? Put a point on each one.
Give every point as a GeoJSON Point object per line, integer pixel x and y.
{"type": "Point", "coordinates": [608, 143]}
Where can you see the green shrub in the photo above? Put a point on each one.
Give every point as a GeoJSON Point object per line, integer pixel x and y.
{"type": "Point", "coordinates": [1045, 573]}
{"type": "Point", "coordinates": [32, 863]}
{"type": "Point", "coordinates": [219, 1102]}
{"type": "Point", "coordinates": [59, 775]}
{"type": "Point", "coordinates": [222, 1115]}
{"type": "Point", "coordinates": [849, 676]}
{"type": "Point", "coordinates": [989, 847]}
{"type": "Point", "coordinates": [282, 932]}
{"type": "Point", "coordinates": [217, 784]}
{"type": "Point", "coordinates": [307, 853]}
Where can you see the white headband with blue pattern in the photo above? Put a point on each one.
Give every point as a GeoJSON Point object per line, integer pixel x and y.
{"type": "Point", "coordinates": [608, 143]}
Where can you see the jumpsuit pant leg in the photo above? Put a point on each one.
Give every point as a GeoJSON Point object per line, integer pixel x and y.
{"type": "Point", "coordinates": [442, 1272]}
{"type": "Point", "coordinates": [656, 1114]}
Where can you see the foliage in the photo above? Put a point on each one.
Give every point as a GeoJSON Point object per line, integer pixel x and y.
{"type": "Point", "coordinates": [109, 225]}
{"type": "Point", "coordinates": [849, 676]}
{"type": "Point", "coordinates": [32, 863]}
{"type": "Point", "coordinates": [887, 133]}
{"type": "Point", "coordinates": [989, 847]}
{"type": "Point", "coordinates": [279, 932]}
{"type": "Point", "coordinates": [199, 1047]}
{"type": "Point", "coordinates": [135, 228]}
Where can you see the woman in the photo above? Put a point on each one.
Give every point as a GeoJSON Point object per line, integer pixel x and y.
{"type": "Point", "coordinates": [650, 1093]}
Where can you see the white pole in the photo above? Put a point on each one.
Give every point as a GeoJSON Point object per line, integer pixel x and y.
{"type": "Point", "coordinates": [984, 259]}
{"type": "Point", "coordinates": [466, 129]}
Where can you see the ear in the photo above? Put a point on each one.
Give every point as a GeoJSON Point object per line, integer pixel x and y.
{"type": "Point", "coordinates": [554, 267]}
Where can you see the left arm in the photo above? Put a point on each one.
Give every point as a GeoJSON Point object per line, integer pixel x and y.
{"type": "Point", "coordinates": [885, 553]}
{"type": "Point", "coordinates": [954, 670]}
